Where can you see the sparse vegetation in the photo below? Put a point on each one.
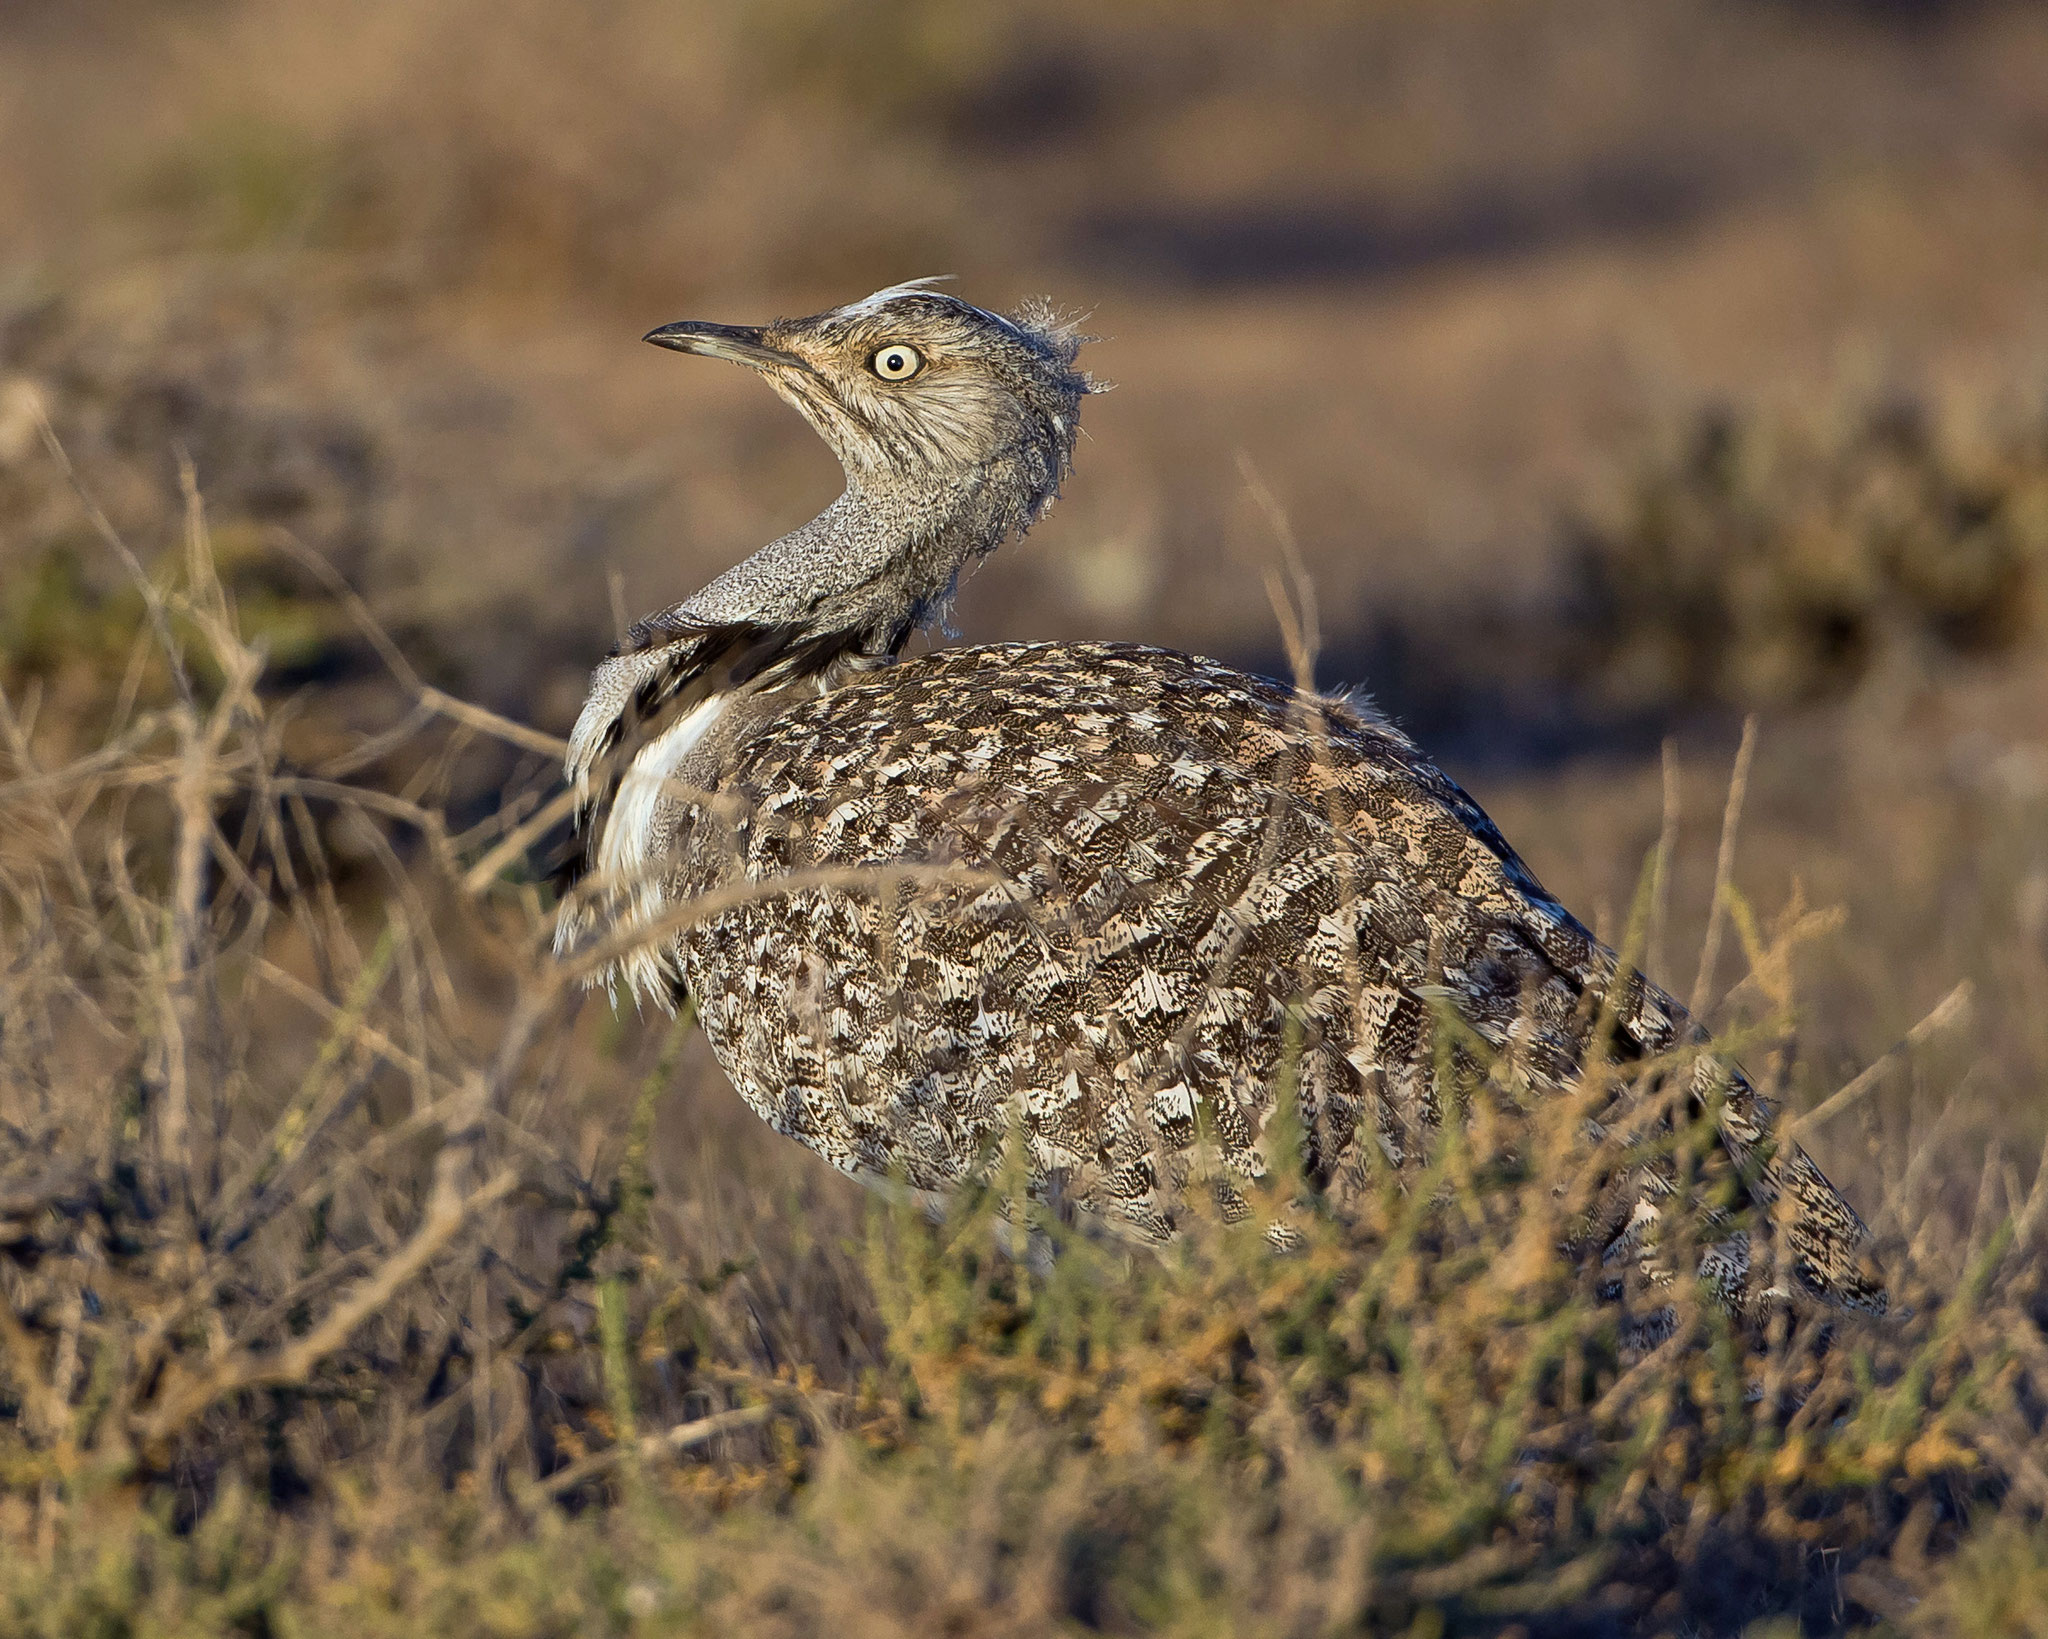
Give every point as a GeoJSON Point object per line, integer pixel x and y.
{"type": "Point", "coordinates": [1768, 559]}
{"type": "Point", "coordinates": [341, 1297]}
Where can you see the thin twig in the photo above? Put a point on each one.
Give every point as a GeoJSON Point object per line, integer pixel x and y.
{"type": "Point", "coordinates": [705, 906]}
{"type": "Point", "coordinates": [323, 1097]}
{"type": "Point", "coordinates": [486, 871]}
{"type": "Point", "coordinates": [670, 1442]}
{"type": "Point", "coordinates": [364, 1034]}
{"type": "Point", "coordinates": [245, 1369]}
{"type": "Point", "coordinates": [401, 669]}
{"type": "Point", "coordinates": [1951, 1010]}
{"type": "Point", "coordinates": [152, 599]}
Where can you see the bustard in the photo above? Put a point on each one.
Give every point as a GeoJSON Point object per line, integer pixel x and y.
{"type": "Point", "coordinates": [1175, 887]}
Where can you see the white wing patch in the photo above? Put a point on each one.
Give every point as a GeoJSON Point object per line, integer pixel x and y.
{"type": "Point", "coordinates": [634, 881]}
{"type": "Point", "coordinates": [625, 853]}
{"type": "Point", "coordinates": [623, 850]}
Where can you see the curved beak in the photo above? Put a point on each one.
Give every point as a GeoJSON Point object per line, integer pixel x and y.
{"type": "Point", "coordinates": [735, 343]}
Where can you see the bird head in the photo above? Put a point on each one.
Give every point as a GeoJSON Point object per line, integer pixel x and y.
{"type": "Point", "coordinates": [955, 426]}
{"type": "Point", "coordinates": [915, 388]}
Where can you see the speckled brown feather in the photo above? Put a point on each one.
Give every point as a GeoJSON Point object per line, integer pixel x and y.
{"type": "Point", "coordinates": [1168, 857]}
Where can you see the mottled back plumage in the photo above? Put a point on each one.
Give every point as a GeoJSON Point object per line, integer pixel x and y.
{"type": "Point", "coordinates": [1151, 879]}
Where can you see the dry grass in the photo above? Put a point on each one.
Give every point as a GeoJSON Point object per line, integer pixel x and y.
{"type": "Point", "coordinates": [342, 1293]}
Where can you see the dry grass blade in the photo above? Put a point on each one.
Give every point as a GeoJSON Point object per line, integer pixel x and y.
{"type": "Point", "coordinates": [1293, 599]}
{"type": "Point", "coordinates": [187, 1399]}
{"type": "Point", "coordinates": [1950, 1013]}
{"type": "Point", "coordinates": [432, 699]}
{"type": "Point", "coordinates": [1724, 871]}
{"type": "Point", "coordinates": [860, 879]}
{"type": "Point", "coordinates": [670, 1442]}
{"type": "Point", "coordinates": [152, 599]}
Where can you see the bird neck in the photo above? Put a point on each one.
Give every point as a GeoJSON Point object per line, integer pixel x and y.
{"type": "Point", "coordinates": [919, 536]}
{"type": "Point", "coordinates": [879, 562]}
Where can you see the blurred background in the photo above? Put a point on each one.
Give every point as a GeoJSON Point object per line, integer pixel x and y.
{"type": "Point", "coordinates": [1621, 366]}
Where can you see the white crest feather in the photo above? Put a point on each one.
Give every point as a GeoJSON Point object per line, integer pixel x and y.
{"type": "Point", "coordinates": [909, 287]}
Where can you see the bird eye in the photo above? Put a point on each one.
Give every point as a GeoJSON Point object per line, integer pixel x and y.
{"type": "Point", "coordinates": [897, 362]}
